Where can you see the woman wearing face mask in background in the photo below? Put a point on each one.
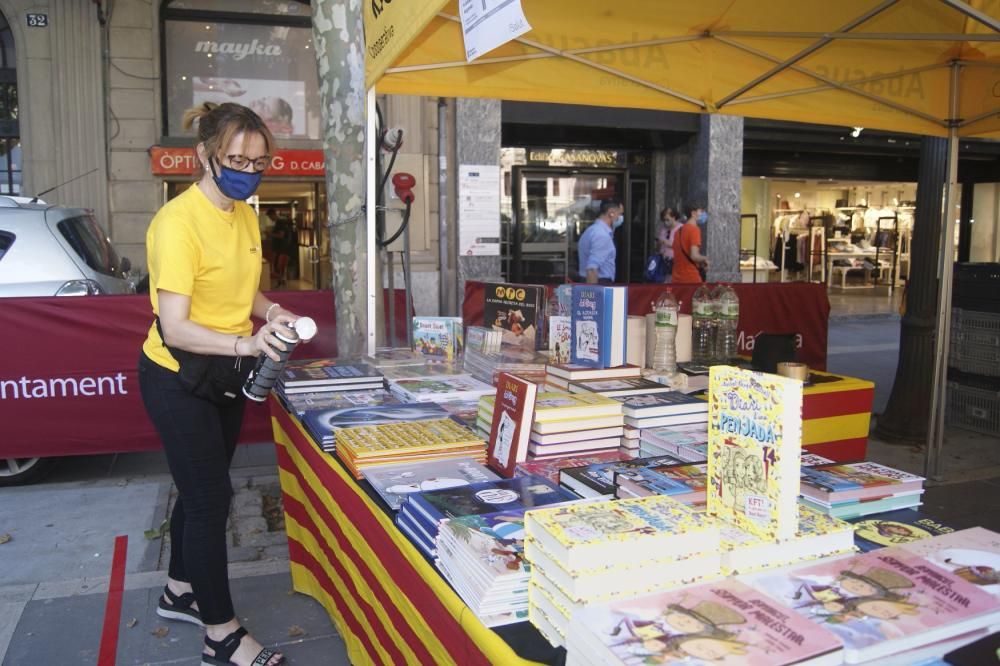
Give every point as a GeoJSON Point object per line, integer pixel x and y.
{"type": "Point", "coordinates": [596, 248]}
{"type": "Point", "coordinates": [204, 255]}
{"type": "Point", "coordinates": [688, 259]}
{"type": "Point", "coordinates": [670, 222]}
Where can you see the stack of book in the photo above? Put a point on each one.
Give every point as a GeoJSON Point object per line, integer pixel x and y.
{"type": "Point", "coordinates": [560, 375]}
{"type": "Point", "coordinates": [618, 388]}
{"type": "Point", "coordinates": [439, 388]}
{"type": "Point", "coordinates": [483, 340]}
{"type": "Point", "coordinates": [551, 467]}
{"type": "Point", "coordinates": [327, 375]}
{"type": "Point", "coordinates": [369, 446]}
{"type": "Point", "coordinates": [632, 441]}
{"type": "Point", "coordinates": [886, 606]}
{"type": "Point", "coordinates": [394, 483]}
{"type": "Point", "coordinates": [300, 403]}
{"type": "Point", "coordinates": [818, 536]}
{"type": "Point", "coordinates": [683, 482]}
{"type": "Point", "coordinates": [598, 479]}
{"type": "Point", "coordinates": [324, 424]}
{"type": "Point", "coordinates": [664, 408]}
{"type": "Point", "coordinates": [486, 366]}
{"type": "Point", "coordinates": [859, 489]}
{"type": "Point", "coordinates": [484, 415]}
{"type": "Point", "coordinates": [482, 557]}
{"type": "Point", "coordinates": [595, 552]}
{"type": "Point", "coordinates": [687, 442]}
{"type": "Point", "coordinates": [420, 514]}
{"type": "Point", "coordinates": [567, 424]}
{"type": "Point", "coordinates": [723, 622]}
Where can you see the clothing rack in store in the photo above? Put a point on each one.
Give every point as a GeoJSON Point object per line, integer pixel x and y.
{"type": "Point", "coordinates": [754, 217]}
{"type": "Point", "coordinates": [814, 233]}
{"type": "Point", "coordinates": [878, 248]}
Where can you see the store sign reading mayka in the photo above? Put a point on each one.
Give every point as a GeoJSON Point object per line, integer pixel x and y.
{"type": "Point", "coordinates": [238, 50]}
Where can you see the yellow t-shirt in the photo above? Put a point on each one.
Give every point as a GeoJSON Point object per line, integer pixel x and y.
{"type": "Point", "coordinates": [197, 250]}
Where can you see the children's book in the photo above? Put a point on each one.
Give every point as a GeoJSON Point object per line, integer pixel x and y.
{"type": "Point", "coordinates": [616, 388]}
{"type": "Point", "coordinates": [395, 482]}
{"type": "Point", "coordinates": [550, 467]}
{"type": "Point", "coordinates": [483, 340]}
{"type": "Point", "coordinates": [322, 372]}
{"type": "Point", "coordinates": [517, 310]}
{"type": "Point", "coordinates": [686, 483]}
{"type": "Point", "coordinates": [972, 554]}
{"type": "Point", "coordinates": [520, 492]}
{"type": "Point", "coordinates": [661, 403]}
{"type": "Point", "coordinates": [599, 480]}
{"type": "Point", "coordinates": [438, 338]}
{"type": "Point", "coordinates": [724, 622]}
{"type": "Point", "coordinates": [895, 528]}
{"type": "Point", "coordinates": [513, 411]}
{"type": "Point", "coordinates": [599, 319]}
{"type": "Point", "coordinates": [328, 420]}
{"type": "Point", "coordinates": [830, 483]}
{"type": "Point", "coordinates": [560, 338]}
{"type": "Point", "coordinates": [754, 449]}
{"type": "Point", "coordinates": [300, 403]}
{"type": "Point", "coordinates": [580, 407]}
{"type": "Point", "coordinates": [883, 602]}
{"type": "Point", "coordinates": [441, 388]}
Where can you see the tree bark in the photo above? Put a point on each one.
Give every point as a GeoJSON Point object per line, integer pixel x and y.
{"type": "Point", "coordinates": [906, 415]}
{"type": "Point", "coordinates": [338, 36]}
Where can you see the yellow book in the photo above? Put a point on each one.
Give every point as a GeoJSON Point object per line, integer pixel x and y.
{"type": "Point", "coordinates": [564, 406]}
{"type": "Point", "coordinates": [380, 440]}
{"type": "Point", "coordinates": [754, 449]}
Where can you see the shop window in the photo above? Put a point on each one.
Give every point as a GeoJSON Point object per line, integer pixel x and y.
{"type": "Point", "coordinates": [10, 142]}
{"type": "Point", "coordinates": [259, 54]}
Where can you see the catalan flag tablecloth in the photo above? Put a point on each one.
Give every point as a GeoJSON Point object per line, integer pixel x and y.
{"type": "Point", "coordinates": [389, 604]}
{"type": "Point", "coordinates": [836, 416]}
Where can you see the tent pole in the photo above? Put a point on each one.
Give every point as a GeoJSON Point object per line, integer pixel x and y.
{"type": "Point", "coordinates": [935, 430]}
{"type": "Point", "coordinates": [974, 14]}
{"type": "Point", "coordinates": [371, 145]}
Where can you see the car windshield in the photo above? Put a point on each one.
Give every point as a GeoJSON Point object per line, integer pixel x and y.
{"type": "Point", "coordinates": [88, 240]}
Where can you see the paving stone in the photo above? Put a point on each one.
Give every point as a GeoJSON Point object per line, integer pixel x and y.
{"type": "Point", "coordinates": [264, 539]}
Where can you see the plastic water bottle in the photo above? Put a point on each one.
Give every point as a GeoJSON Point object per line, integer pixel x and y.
{"type": "Point", "coordinates": [728, 307]}
{"type": "Point", "coordinates": [702, 326]}
{"type": "Point", "coordinates": [665, 351]}
{"type": "Point", "coordinates": [266, 371]}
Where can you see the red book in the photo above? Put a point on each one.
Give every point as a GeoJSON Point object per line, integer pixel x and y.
{"type": "Point", "coordinates": [512, 415]}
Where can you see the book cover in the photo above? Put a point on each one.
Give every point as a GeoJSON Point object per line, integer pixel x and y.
{"type": "Point", "coordinates": [493, 541]}
{"type": "Point", "coordinates": [895, 528]}
{"type": "Point", "coordinates": [572, 372]}
{"type": "Point", "coordinates": [662, 403]}
{"type": "Point", "coordinates": [513, 411]}
{"type": "Point", "coordinates": [599, 480]}
{"type": "Point", "coordinates": [520, 492]}
{"type": "Point", "coordinates": [754, 449]}
{"type": "Point", "coordinates": [483, 340]}
{"type": "Point", "coordinates": [972, 554]}
{"type": "Point", "coordinates": [318, 400]}
{"type": "Point", "coordinates": [389, 357]}
{"type": "Point", "coordinates": [437, 337]}
{"type": "Point", "coordinates": [725, 622]}
{"type": "Point", "coordinates": [549, 468]}
{"type": "Point", "coordinates": [328, 420]}
{"type": "Point", "coordinates": [614, 388]}
{"type": "Point", "coordinates": [856, 480]}
{"type": "Point", "coordinates": [517, 310]}
{"type": "Point", "coordinates": [395, 482]}
{"type": "Point", "coordinates": [598, 320]}
{"type": "Point", "coordinates": [552, 406]}
{"type": "Point", "coordinates": [882, 602]}
{"type": "Point", "coordinates": [317, 372]}
{"type": "Point", "coordinates": [439, 388]}
{"type": "Point", "coordinates": [670, 479]}
{"type": "Point", "coordinates": [560, 338]}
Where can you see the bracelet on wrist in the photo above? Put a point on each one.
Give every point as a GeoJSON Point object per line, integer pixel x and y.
{"type": "Point", "coordinates": [267, 314]}
{"type": "Point", "coordinates": [236, 345]}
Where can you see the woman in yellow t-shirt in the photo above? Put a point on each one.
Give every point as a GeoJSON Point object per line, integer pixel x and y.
{"type": "Point", "coordinates": [204, 255]}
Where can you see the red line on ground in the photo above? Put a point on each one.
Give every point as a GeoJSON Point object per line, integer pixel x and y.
{"type": "Point", "coordinates": [113, 610]}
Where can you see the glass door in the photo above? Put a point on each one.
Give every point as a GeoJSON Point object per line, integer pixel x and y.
{"type": "Point", "coordinates": [552, 207]}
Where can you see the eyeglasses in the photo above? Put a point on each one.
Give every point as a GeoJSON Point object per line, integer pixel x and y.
{"type": "Point", "coordinates": [241, 162]}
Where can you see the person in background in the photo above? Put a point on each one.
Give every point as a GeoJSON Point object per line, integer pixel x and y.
{"type": "Point", "coordinates": [670, 222]}
{"type": "Point", "coordinates": [266, 224]}
{"type": "Point", "coordinates": [596, 248]}
{"type": "Point", "coordinates": [203, 252]}
{"type": "Point", "coordinates": [282, 242]}
{"type": "Point", "coordinates": [687, 247]}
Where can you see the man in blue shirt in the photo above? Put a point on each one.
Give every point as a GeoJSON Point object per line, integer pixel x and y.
{"type": "Point", "coordinates": [597, 244]}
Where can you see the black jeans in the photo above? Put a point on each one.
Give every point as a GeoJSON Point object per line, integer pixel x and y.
{"type": "Point", "coordinates": [199, 438]}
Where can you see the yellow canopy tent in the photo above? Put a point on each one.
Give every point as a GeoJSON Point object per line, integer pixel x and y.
{"type": "Point", "coordinates": [918, 66]}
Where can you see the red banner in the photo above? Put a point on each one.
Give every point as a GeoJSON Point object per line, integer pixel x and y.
{"type": "Point", "coordinates": [166, 161]}
{"type": "Point", "coordinates": [791, 307]}
{"type": "Point", "coordinates": [68, 383]}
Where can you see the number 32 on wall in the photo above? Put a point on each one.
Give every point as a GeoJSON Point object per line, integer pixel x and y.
{"type": "Point", "coordinates": [38, 20]}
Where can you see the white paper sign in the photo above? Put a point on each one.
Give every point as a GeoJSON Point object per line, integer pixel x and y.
{"type": "Point", "coordinates": [478, 209]}
{"type": "Point", "coordinates": [486, 24]}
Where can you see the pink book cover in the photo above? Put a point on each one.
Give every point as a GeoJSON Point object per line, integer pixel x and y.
{"type": "Point", "coordinates": [972, 554]}
{"type": "Point", "coordinates": [883, 602]}
{"type": "Point", "coordinates": [725, 622]}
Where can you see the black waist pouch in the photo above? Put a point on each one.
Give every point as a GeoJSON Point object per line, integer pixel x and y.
{"type": "Point", "coordinates": [219, 379]}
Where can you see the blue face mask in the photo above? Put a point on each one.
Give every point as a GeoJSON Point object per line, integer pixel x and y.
{"type": "Point", "coordinates": [619, 221]}
{"type": "Point", "coordinates": [702, 217]}
{"type": "Point", "coordinates": [237, 185]}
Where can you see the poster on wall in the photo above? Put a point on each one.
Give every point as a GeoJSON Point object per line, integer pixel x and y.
{"type": "Point", "coordinates": [280, 104]}
{"type": "Point", "coordinates": [478, 210]}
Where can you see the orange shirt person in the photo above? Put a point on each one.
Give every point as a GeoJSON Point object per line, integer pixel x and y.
{"type": "Point", "coordinates": [687, 249]}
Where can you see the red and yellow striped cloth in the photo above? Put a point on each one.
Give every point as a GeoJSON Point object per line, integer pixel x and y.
{"type": "Point", "coordinates": [389, 604]}
{"type": "Point", "coordinates": [836, 417]}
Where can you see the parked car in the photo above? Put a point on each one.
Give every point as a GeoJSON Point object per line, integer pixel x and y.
{"type": "Point", "coordinates": [53, 251]}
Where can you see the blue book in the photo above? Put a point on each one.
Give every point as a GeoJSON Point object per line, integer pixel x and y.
{"type": "Point", "coordinates": [520, 492]}
{"type": "Point", "coordinates": [599, 323]}
{"type": "Point", "coordinates": [416, 534]}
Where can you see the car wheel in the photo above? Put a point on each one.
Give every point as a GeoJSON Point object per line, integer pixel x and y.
{"type": "Point", "coordinates": [17, 471]}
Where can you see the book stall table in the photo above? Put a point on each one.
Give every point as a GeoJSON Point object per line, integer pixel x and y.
{"type": "Point", "coordinates": [389, 604]}
{"type": "Point", "coordinates": [836, 416]}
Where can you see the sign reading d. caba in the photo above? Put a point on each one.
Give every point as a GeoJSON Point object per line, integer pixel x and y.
{"type": "Point", "coordinates": [238, 50]}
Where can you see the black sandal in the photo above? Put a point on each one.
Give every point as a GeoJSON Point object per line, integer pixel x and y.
{"type": "Point", "coordinates": [178, 607]}
{"type": "Point", "coordinates": [225, 649]}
